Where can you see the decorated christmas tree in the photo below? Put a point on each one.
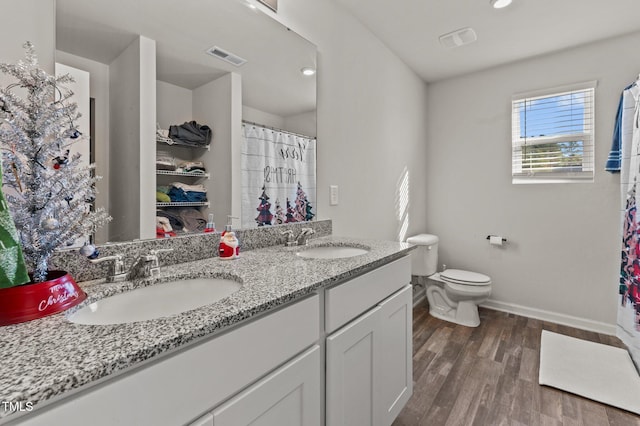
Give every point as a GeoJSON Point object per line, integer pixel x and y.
{"type": "Point", "coordinates": [303, 211]}
{"type": "Point", "coordinates": [264, 216]}
{"type": "Point", "coordinates": [48, 190]}
{"type": "Point", "coordinates": [280, 218]}
{"type": "Point", "coordinates": [290, 213]}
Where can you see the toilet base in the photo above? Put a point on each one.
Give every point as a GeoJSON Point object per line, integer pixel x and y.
{"type": "Point", "coordinates": [466, 314]}
{"type": "Point", "coordinates": [463, 312]}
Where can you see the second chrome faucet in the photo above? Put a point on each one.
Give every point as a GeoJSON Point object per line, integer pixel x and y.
{"type": "Point", "coordinates": [301, 240]}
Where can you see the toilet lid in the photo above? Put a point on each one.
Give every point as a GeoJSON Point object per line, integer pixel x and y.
{"type": "Point", "coordinates": [459, 276]}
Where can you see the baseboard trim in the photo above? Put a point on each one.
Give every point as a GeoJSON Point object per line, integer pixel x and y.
{"type": "Point", "coordinates": [571, 321]}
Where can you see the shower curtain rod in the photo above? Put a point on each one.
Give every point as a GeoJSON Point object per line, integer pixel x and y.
{"type": "Point", "coordinates": [276, 129]}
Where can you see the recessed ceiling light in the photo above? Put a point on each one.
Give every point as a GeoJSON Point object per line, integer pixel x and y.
{"type": "Point", "coordinates": [499, 4]}
{"type": "Point", "coordinates": [307, 71]}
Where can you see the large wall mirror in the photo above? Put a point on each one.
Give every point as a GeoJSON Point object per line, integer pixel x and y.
{"type": "Point", "coordinates": [149, 65]}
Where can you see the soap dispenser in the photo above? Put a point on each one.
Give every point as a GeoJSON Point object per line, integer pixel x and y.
{"type": "Point", "coordinates": [229, 244]}
{"type": "Point", "coordinates": [211, 226]}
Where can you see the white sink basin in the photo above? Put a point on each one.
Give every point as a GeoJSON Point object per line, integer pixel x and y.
{"type": "Point", "coordinates": [155, 301]}
{"type": "Point", "coordinates": [331, 252]}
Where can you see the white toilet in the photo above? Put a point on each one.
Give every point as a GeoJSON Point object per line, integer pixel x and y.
{"type": "Point", "coordinates": [453, 294]}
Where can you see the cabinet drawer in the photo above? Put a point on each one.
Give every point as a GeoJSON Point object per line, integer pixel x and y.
{"type": "Point", "coordinates": [346, 301]}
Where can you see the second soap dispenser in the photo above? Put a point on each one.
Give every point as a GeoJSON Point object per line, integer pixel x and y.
{"type": "Point", "coordinates": [229, 245]}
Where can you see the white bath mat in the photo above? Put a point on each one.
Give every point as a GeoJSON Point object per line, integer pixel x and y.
{"type": "Point", "coordinates": [600, 372]}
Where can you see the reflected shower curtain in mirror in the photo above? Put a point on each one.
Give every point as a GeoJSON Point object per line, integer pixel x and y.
{"type": "Point", "coordinates": [278, 177]}
{"type": "Point", "coordinates": [628, 329]}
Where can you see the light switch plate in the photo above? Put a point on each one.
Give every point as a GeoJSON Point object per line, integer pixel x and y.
{"type": "Point", "coordinates": [333, 194]}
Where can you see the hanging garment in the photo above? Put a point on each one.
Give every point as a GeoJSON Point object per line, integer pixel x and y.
{"type": "Point", "coordinates": [628, 320]}
{"type": "Point", "coordinates": [191, 133]}
{"type": "Point", "coordinates": [12, 268]}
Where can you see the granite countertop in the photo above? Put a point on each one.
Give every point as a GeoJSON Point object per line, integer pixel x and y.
{"type": "Point", "coordinates": [46, 358]}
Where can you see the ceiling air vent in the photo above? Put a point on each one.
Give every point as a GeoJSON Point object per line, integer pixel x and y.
{"type": "Point", "coordinates": [458, 38]}
{"type": "Point", "coordinates": [226, 56]}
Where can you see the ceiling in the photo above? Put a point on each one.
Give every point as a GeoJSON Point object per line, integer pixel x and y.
{"type": "Point", "coordinates": [183, 30]}
{"type": "Point", "coordinates": [527, 28]}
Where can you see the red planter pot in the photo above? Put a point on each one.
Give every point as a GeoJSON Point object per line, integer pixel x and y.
{"type": "Point", "coordinates": [36, 300]}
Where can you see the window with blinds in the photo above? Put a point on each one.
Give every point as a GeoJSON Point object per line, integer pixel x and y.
{"type": "Point", "coordinates": [553, 137]}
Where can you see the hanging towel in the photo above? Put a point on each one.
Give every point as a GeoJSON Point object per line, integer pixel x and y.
{"type": "Point", "coordinates": [623, 119]}
{"type": "Point", "coordinates": [615, 155]}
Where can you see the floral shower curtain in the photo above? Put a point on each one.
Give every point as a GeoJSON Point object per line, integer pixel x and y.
{"type": "Point", "coordinates": [278, 177]}
{"type": "Point", "coordinates": [628, 329]}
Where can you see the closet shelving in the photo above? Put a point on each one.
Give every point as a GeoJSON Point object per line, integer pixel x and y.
{"type": "Point", "coordinates": [184, 145]}
{"type": "Point", "coordinates": [181, 152]}
{"type": "Point", "coordinates": [187, 174]}
{"type": "Point", "coordinates": [184, 204]}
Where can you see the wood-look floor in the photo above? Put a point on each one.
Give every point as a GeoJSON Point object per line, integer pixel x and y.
{"type": "Point", "coordinates": [489, 375]}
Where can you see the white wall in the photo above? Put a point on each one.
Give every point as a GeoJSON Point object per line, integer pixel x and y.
{"type": "Point", "coordinates": [371, 125]}
{"type": "Point", "coordinates": [132, 158]}
{"type": "Point", "coordinates": [219, 105]}
{"type": "Point", "coordinates": [561, 262]}
{"type": "Point", "coordinates": [304, 123]}
{"type": "Point", "coordinates": [267, 119]}
{"type": "Point", "coordinates": [174, 104]}
{"type": "Point", "coordinates": [27, 20]}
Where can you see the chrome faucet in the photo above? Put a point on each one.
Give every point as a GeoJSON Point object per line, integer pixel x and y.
{"type": "Point", "coordinates": [146, 265]}
{"type": "Point", "coordinates": [291, 241]}
{"type": "Point", "coordinates": [155, 264]}
{"type": "Point", "coordinates": [117, 271]}
{"type": "Point", "coordinates": [303, 237]}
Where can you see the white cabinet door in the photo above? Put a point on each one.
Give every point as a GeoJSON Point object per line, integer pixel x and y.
{"type": "Point", "coordinates": [288, 396]}
{"type": "Point", "coordinates": [369, 365]}
{"type": "Point", "coordinates": [350, 379]}
{"type": "Point", "coordinates": [395, 361]}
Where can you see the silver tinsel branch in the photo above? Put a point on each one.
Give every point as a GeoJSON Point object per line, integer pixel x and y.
{"type": "Point", "coordinates": [50, 206]}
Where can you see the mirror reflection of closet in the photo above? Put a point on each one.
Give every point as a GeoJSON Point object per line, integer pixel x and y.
{"type": "Point", "coordinates": [149, 66]}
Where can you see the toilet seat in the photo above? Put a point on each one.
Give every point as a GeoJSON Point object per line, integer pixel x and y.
{"type": "Point", "coordinates": [469, 290]}
{"type": "Point", "coordinates": [464, 278]}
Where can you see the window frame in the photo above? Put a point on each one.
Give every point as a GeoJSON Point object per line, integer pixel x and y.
{"type": "Point", "coordinates": [587, 173]}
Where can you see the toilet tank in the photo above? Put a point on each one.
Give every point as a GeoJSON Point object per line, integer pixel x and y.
{"type": "Point", "coordinates": [424, 259]}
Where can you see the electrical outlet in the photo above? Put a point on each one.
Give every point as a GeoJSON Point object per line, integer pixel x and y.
{"type": "Point", "coordinates": [333, 194]}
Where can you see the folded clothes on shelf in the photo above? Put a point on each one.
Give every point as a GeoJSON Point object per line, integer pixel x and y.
{"type": "Point", "coordinates": [193, 219]}
{"type": "Point", "coordinates": [165, 161]}
{"type": "Point", "coordinates": [162, 135]}
{"type": "Point", "coordinates": [192, 167]}
{"type": "Point", "coordinates": [183, 219]}
{"type": "Point", "coordinates": [162, 197]}
{"type": "Point", "coordinates": [181, 192]}
{"type": "Point", "coordinates": [174, 218]}
{"type": "Point", "coordinates": [191, 133]}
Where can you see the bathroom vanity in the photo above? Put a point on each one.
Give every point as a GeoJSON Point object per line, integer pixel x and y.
{"type": "Point", "coordinates": [308, 340]}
